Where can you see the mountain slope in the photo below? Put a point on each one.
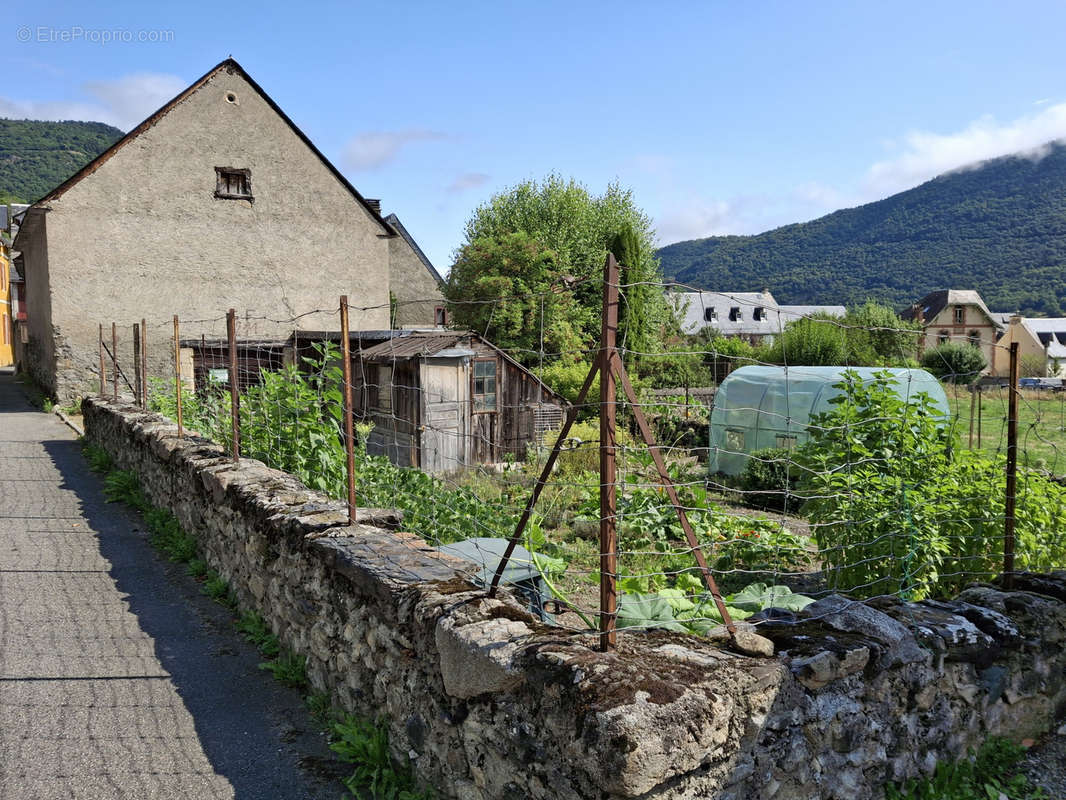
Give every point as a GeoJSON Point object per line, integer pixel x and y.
{"type": "Point", "coordinates": [35, 157]}
{"type": "Point", "coordinates": [999, 227]}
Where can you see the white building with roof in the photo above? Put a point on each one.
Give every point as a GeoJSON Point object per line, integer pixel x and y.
{"type": "Point", "coordinates": [755, 317]}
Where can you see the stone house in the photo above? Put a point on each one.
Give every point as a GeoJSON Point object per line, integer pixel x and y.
{"type": "Point", "coordinates": [202, 207]}
{"type": "Point", "coordinates": [959, 315]}
{"type": "Point", "coordinates": [1041, 340]}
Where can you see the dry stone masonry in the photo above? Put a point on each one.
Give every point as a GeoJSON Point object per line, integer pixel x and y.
{"type": "Point", "coordinates": [487, 702]}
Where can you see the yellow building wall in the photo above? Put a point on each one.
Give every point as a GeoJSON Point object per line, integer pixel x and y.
{"type": "Point", "coordinates": [7, 326]}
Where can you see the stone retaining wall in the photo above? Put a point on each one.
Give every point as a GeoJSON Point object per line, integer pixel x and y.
{"type": "Point", "coordinates": [486, 702]}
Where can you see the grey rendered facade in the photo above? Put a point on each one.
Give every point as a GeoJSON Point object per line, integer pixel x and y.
{"type": "Point", "coordinates": [150, 229]}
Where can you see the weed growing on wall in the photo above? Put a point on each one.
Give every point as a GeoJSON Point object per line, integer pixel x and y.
{"type": "Point", "coordinates": [288, 669]}
{"type": "Point", "coordinates": [990, 773]}
{"type": "Point", "coordinates": [365, 744]}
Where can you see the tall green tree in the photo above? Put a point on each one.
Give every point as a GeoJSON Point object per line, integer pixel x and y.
{"type": "Point", "coordinates": [508, 287]}
{"type": "Point", "coordinates": [562, 217]}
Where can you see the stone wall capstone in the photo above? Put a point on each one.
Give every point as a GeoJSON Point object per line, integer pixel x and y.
{"type": "Point", "coordinates": [486, 702]}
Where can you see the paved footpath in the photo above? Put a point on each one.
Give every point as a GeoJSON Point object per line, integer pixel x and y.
{"type": "Point", "coordinates": [117, 678]}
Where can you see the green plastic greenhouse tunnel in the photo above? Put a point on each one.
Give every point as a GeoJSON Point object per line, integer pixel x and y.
{"type": "Point", "coordinates": [760, 407]}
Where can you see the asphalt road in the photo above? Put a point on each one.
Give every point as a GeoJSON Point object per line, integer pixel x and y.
{"type": "Point", "coordinates": [118, 679]}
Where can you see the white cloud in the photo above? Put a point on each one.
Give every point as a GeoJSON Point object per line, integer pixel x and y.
{"type": "Point", "coordinates": [468, 180]}
{"type": "Point", "coordinates": [377, 148]}
{"type": "Point", "coordinates": [697, 218]}
{"type": "Point", "coordinates": [130, 99]}
{"type": "Point", "coordinates": [123, 102]}
{"type": "Point", "coordinates": [925, 155]}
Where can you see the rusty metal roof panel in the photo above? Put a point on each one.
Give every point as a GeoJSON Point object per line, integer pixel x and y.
{"type": "Point", "coordinates": [415, 345]}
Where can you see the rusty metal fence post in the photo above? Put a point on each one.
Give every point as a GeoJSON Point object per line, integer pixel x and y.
{"type": "Point", "coordinates": [137, 364]}
{"type": "Point", "coordinates": [177, 375]}
{"type": "Point", "coordinates": [144, 363]}
{"type": "Point", "coordinates": [349, 433]}
{"type": "Point", "coordinates": [114, 360]}
{"type": "Point", "coordinates": [103, 377]}
{"type": "Point", "coordinates": [608, 460]}
{"type": "Point", "coordinates": [1012, 471]}
{"type": "Point", "coordinates": [234, 387]}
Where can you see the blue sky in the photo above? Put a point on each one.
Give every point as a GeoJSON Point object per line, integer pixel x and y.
{"type": "Point", "coordinates": [722, 117]}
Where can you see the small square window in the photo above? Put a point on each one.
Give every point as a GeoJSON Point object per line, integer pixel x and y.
{"type": "Point", "coordinates": [960, 315]}
{"type": "Point", "coordinates": [735, 315]}
{"type": "Point", "coordinates": [710, 315]}
{"type": "Point", "coordinates": [233, 184]}
{"type": "Point", "coordinates": [440, 316]}
{"type": "Point", "coordinates": [760, 313]}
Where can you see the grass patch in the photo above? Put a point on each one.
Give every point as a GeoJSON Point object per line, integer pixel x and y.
{"type": "Point", "coordinates": [1041, 424]}
{"type": "Point", "coordinates": [255, 629]}
{"type": "Point", "coordinates": [365, 744]}
{"type": "Point", "coordinates": [98, 458]}
{"type": "Point", "coordinates": [288, 669]}
{"type": "Point", "coordinates": [991, 772]}
{"type": "Point", "coordinates": [167, 535]}
{"type": "Point", "coordinates": [217, 589]}
{"type": "Point", "coordinates": [123, 486]}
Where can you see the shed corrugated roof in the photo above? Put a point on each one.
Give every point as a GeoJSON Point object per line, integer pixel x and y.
{"type": "Point", "coordinates": [415, 344]}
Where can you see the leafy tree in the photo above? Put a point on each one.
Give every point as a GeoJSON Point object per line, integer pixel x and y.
{"type": "Point", "coordinates": [636, 323]}
{"type": "Point", "coordinates": [562, 217]}
{"type": "Point", "coordinates": [877, 332]}
{"type": "Point", "coordinates": [1033, 366]}
{"type": "Point", "coordinates": [503, 285]}
{"type": "Point", "coordinates": [955, 362]}
{"type": "Point", "coordinates": [820, 340]}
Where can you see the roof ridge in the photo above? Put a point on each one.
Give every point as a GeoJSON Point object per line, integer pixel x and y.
{"type": "Point", "coordinates": [150, 121]}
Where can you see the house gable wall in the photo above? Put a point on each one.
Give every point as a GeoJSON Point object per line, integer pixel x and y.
{"type": "Point", "coordinates": [974, 319]}
{"type": "Point", "coordinates": [416, 290]}
{"type": "Point", "coordinates": [143, 236]}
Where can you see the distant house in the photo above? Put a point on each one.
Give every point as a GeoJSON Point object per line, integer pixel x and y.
{"type": "Point", "coordinates": [215, 201]}
{"type": "Point", "coordinates": [755, 317]}
{"type": "Point", "coordinates": [959, 315]}
{"type": "Point", "coordinates": [1041, 339]}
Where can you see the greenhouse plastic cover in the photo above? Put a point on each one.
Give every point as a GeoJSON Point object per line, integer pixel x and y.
{"type": "Point", "coordinates": [760, 407]}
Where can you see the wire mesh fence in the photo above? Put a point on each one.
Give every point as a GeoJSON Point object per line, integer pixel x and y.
{"type": "Point", "coordinates": [811, 455]}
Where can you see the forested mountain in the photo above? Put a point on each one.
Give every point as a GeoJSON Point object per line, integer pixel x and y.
{"type": "Point", "coordinates": [999, 228]}
{"type": "Point", "coordinates": [35, 157]}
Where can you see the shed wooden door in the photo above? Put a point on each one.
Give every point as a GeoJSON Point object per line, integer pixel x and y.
{"type": "Point", "coordinates": [443, 434]}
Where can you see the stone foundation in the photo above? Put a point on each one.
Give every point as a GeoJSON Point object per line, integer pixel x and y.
{"type": "Point", "coordinates": [486, 702]}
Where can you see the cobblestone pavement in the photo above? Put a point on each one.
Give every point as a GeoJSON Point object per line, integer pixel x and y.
{"type": "Point", "coordinates": [118, 679]}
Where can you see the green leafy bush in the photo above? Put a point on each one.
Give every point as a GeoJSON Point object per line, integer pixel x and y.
{"type": "Point", "coordinates": [896, 509]}
{"type": "Point", "coordinates": [955, 362]}
{"type": "Point", "coordinates": [770, 478]}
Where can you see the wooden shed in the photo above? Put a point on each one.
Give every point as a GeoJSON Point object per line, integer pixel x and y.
{"type": "Point", "coordinates": [443, 400]}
